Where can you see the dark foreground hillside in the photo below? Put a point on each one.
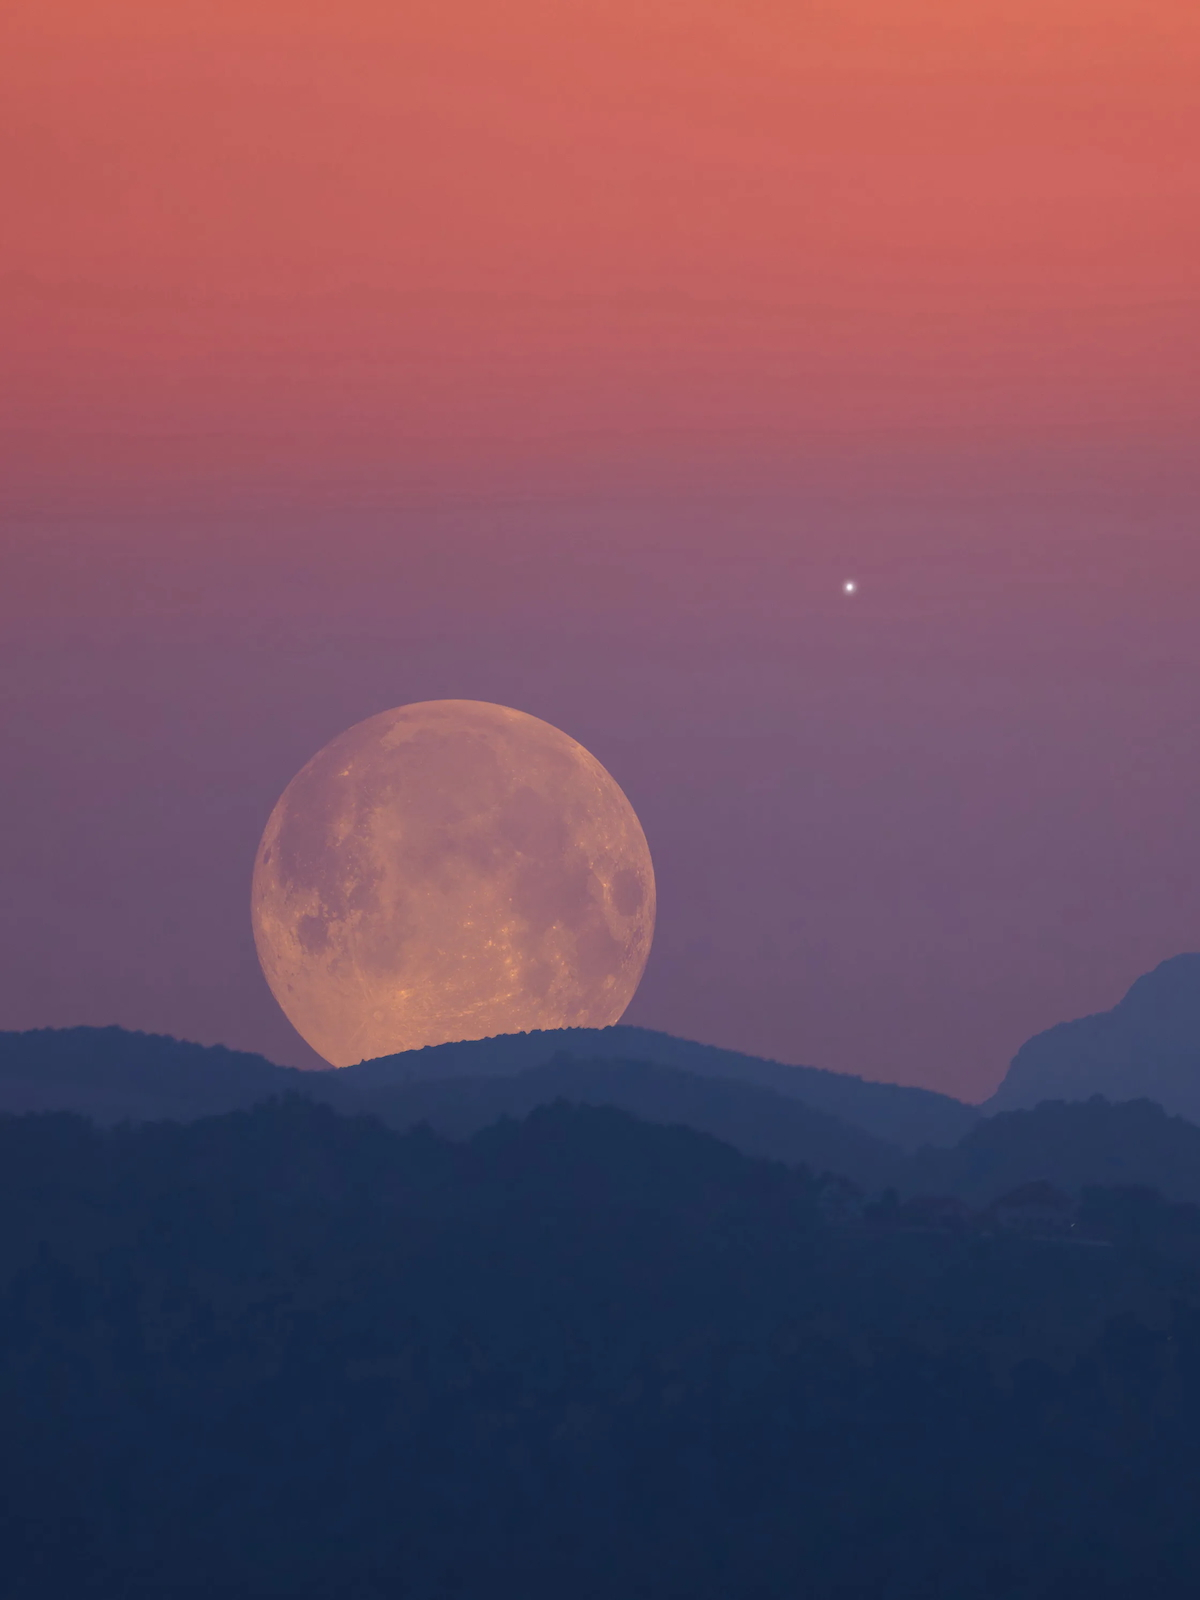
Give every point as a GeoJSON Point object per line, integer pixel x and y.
{"type": "Point", "coordinates": [285, 1353]}
{"type": "Point", "coordinates": [1074, 1144]}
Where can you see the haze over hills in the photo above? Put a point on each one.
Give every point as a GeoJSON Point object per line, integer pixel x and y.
{"type": "Point", "coordinates": [1047, 1120]}
{"type": "Point", "coordinates": [1147, 1046]}
{"type": "Point", "coordinates": [1074, 1145]}
{"type": "Point", "coordinates": [112, 1074]}
{"type": "Point", "coordinates": [116, 1075]}
{"type": "Point", "coordinates": [905, 1115]}
{"type": "Point", "coordinates": [755, 1120]}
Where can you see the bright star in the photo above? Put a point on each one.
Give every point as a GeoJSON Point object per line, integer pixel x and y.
{"type": "Point", "coordinates": [850, 586]}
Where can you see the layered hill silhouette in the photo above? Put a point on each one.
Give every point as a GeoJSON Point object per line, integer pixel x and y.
{"type": "Point", "coordinates": [112, 1076]}
{"type": "Point", "coordinates": [287, 1352]}
{"type": "Point", "coordinates": [1074, 1145]}
{"type": "Point", "coordinates": [115, 1075]}
{"type": "Point", "coordinates": [896, 1112]}
{"type": "Point", "coordinates": [1147, 1046]}
{"type": "Point", "coordinates": [509, 1336]}
{"type": "Point", "coordinates": [755, 1120]}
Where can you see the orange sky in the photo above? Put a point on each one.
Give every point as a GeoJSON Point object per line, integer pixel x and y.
{"type": "Point", "coordinates": [326, 242]}
{"type": "Point", "coordinates": [570, 354]}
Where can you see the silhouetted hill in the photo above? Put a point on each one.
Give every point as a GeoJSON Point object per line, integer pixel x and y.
{"type": "Point", "coordinates": [287, 1353]}
{"type": "Point", "coordinates": [756, 1121]}
{"type": "Point", "coordinates": [1147, 1046]}
{"type": "Point", "coordinates": [895, 1112]}
{"type": "Point", "coordinates": [114, 1075]}
{"type": "Point", "coordinates": [1071, 1144]}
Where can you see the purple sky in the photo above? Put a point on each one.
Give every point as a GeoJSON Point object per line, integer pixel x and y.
{"type": "Point", "coordinates": [894, 835]}
{"type": "Point", "coordinates": [572, 357]}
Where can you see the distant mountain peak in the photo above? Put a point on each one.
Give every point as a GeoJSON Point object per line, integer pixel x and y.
{"type": "Point", "coordinates": [1147, 1046]}
{"type": "Point", "coordinates": [1165, 1002]}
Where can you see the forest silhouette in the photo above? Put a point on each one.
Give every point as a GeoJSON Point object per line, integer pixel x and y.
{"type": "Point", "coordinates": [520, 1319]}
{"type": "Point", "coordinates": [290, 1352]}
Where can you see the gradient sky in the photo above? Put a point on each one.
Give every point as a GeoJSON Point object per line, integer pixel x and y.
{"type": "Point", "coordinates": [570, 355]}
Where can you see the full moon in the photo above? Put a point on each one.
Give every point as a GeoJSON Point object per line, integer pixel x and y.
{"type": "Point", "coordinates": [450, 870]}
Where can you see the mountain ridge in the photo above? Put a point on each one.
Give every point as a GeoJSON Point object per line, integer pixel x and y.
{"type": "Point", "coordinates": [902, 1113]}
{"type": "Point", "coordinates": [114, 1077]}
{"type": "Point", "coordinates": [1146, 1046]}
{"type": "Point", "coordinates": [115, 1074]}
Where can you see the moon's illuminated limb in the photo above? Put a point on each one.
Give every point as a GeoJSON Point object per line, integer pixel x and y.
{"type": "Point", "coordinates": [450, 870]}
